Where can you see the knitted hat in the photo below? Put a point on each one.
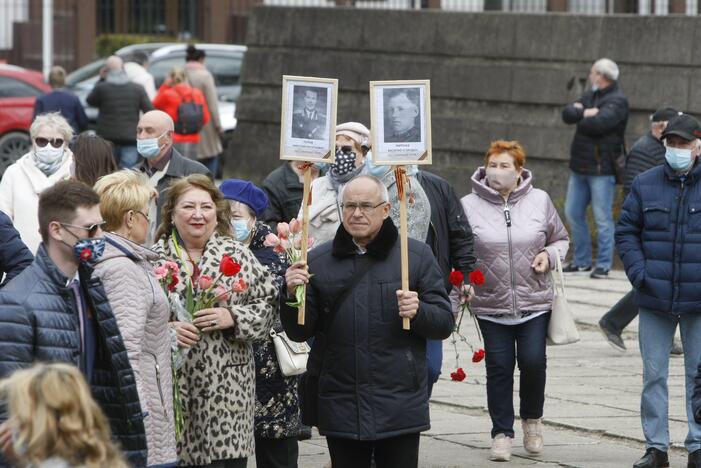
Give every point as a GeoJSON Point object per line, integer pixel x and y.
{"type": "Point", "coordinates": [245, 192]}
{"type": "Point", "coordinates": [356, 132]}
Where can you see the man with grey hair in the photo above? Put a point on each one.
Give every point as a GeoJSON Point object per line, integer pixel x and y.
{"type": "Point", "coordinates": [354, 310]}
{"type": "Point", "coordinates": [120, 103]}
{"type": "Point", "coordinates": [601, 115]}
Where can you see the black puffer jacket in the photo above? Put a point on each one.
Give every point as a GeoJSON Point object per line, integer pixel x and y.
{"type": "Point", "coordinates": [449, 233]}
{"type": "Point", "coordinates": [284, 195]}
{"type": "Point", "coordinates": [372, 374]}
{"type": "Point", "coordinates": [598, 140]}
{"type": "Point", "coordinates": [39, 322]}
{"type": "Point", "coordinates": [645, 154]}
{"type": "Point", "coordinates": [14, 255]}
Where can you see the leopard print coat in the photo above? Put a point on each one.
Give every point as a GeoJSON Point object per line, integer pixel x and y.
{"type": "Point", "coordinates": [217, 378]}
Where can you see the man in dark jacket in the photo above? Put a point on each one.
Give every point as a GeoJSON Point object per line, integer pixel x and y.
{"type": "Point", "coordinates": [120, 102]}
{"type": "Point", "coordinates": [14, 255]}
{"type": "Point", "coordinates": [372, 395]}
{"type": "Point", "coordinates": [659, 239]}
{"type": "Point", "coordinates": [646, 153]}
{"type": "Point", "coordinates": [55, 311]}
{"type": "Point", "coordinates": [162, 163]}
{"type": "Point", "coordinates": [450, 238]}
{"type": "Point", "coordinates": [284, 187]}
{"type": "Point", "coordinates": [601, 115]}
{"type": "Point", "coordinates": [63, 101]}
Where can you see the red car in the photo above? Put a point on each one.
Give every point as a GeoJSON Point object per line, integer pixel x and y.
{"type": "Point", "coordinates": [19, 88]}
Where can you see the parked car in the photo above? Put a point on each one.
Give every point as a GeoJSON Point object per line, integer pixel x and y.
{"type": "Point", "coordinates": [223, 60]}
{"type": "Point", "coordinates": [19, 88]}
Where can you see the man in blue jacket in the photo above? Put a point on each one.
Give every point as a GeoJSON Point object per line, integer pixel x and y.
{"type": "Point", "coordinates": [55, 311]}
{"type": "Point", "coordinates": [14, 255]}
{"type": "Point", "coordinates": [659, 240]}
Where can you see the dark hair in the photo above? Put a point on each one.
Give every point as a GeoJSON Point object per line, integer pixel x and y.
{"type": "Point", "coordinates": [192, 53]}
{"type": "Point", "coordinates": [138, 56]}
{"type": "Point", "coordinates": [93, 158]}
{"type": "Point", "coordinates": [411, 94]}
{"type": "Point", "coordinates": [60, 202]}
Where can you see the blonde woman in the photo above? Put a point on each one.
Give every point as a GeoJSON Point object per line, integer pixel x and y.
{"type": "Point", "coordinates": [138, 303]}
{"type": "Point", "coordinates": [55, 422]}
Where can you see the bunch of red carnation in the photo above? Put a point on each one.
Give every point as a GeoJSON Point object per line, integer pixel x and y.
{"type": "Point", "coordinates": [457, 279]}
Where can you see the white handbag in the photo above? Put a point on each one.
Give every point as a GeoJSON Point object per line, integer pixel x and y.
{"type": "Point", "coordinates": [291, 356]}
{"type": "Point", "coordinates": [562, 329]}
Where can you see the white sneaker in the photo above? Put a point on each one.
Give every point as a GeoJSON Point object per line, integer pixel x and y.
{"type": "Point", "coordinates": [532, 435]}
{"type": "Point", "coordinates": [501, 448]}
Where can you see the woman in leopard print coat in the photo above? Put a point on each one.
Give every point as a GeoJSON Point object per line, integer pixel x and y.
{"type": "Point", "coordinates": [217, 377]}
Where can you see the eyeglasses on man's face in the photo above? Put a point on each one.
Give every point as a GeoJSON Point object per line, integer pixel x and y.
{"type": "Point", "coordinates": [364, 208]}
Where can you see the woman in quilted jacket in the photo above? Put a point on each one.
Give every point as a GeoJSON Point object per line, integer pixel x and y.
{"type": "Point", "coordinates": [277, 420]}
{"type": "Point", "coordinates": [518, 238]}
{"type": "Point", "coordinates": [175, 91]}
{"type": "Point", "coordinates": [139, 304]}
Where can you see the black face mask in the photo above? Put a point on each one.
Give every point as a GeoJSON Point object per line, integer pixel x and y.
{"type": "Point", "coordinates": [344, 163]}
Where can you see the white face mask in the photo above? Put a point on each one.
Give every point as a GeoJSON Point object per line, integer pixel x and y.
{"type": "Point", "coordinates": [48, 154]}
{"type": "Point", "coordinates": [502, 179]}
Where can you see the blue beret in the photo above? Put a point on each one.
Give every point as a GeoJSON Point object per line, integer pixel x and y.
{"type": "Point", "coordinates": [245, 192]}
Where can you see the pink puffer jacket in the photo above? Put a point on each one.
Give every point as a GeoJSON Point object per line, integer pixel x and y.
{"type": "Point", "coordinates": [505, 252]}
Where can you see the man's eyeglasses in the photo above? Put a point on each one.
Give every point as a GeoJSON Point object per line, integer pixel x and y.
{"type": "Point", "coordinates": [92, 229]}
{"type": "Point", "coordinates": [55, 142]}
{"type": "Point", "coordinates": [364, 207]}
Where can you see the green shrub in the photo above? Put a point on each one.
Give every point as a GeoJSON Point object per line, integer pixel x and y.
{"type": "Point", "coordinates": [108, 44]}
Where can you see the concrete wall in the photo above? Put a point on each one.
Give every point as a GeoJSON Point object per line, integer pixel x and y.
{"type": "Point", "coordinates": [493, 75]}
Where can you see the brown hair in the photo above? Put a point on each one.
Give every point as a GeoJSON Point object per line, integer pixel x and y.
{"type": "Point", "coordinates": [194, 181]}
{"type": "Point", "coordinates": [93, 158]}
{"type": "Point", "coordinates": [57, 77]}
{"type": "Point", "coordinates": [60, 202]}
{"type": "Point", "coordinates": [512, 148]}
{"type": "Point", "coordinates": [53, 414]}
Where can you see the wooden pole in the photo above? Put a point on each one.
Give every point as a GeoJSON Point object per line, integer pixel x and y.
{"type": "Point", "coordinates": [400, 174]}
{"type": "Point", "coordinates": [306, 201]}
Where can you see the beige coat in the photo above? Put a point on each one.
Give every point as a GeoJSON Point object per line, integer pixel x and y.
{"type": "Point", "coordinates": [142, 312]}
{"type": "Point", "coordinates": [200, 78]}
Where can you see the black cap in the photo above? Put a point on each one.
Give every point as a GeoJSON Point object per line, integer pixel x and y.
{"type": "Point", "coordinates": [684, 126]}
{"type": "Point", "coordinates": [663, 114]}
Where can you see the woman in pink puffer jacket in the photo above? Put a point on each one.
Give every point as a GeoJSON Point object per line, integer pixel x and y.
{"type": "Point", "coordinates": [518, 235]}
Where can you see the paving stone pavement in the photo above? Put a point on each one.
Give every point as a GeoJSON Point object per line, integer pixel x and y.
{"type": "Point", "coordinates": [592, 417]}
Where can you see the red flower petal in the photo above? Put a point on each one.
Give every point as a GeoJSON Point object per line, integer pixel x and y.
{"type": "Point", "coordinates": [476, 277]}
{"type": "Point", "coordinates": [86, 254]}
{"type": "Point", "coordinates": [459, 375]}
{"type": "Point", "coordinates": [228, 266]}
{"type": "Point", "coordinates": [456, 278]}
{"type": "Point", "coordinates": [478, 355]}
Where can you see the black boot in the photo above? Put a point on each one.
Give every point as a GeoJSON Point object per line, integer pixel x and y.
{"type": "Point", "coordinates": [694, 459]}
{"type": "Point", "coordinates": [653, 458]}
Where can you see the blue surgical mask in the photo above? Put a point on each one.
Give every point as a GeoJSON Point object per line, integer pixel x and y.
{"type": "Point", "coordinates": [678, 158]}
{"type": "Point", "coordinates": [89, 249]}
{"type": "Point", "coordinates": [148, 147]}
{"type": "Point", "coordinates": [373, 170]}
{"type": "Point", "coordinates": [321, 166]}
{"type": "Point", "coordinates": [241, 229]}
{"type": "Point", "coordinates": [594, 88]}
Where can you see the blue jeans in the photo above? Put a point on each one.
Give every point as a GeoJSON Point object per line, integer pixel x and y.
{"type": "Point", "coordinates": [597, 190]}
{"type": "Point", "coordinates": [655, 333]}
{"type": "Point", "coordinates": [212, 164]}
{"type": "Point", "coordinates": [126, 156]}
{"type": "Point", "coordinates": [504, 346]}
{"type": "Point", "coordinates": [434, 361]}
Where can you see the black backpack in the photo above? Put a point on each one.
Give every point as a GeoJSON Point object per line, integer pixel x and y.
{"type": "Point", "coordinates": [190, 116]}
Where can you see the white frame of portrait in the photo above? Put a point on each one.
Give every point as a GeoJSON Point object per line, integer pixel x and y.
{"type": "Point", "coordinates": [300, 149]}
{"type": "Point", "coordinates": [398, 154]}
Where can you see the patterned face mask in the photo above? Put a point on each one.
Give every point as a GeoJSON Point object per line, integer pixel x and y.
{"type": "Point", "coordinates": [344, 163]}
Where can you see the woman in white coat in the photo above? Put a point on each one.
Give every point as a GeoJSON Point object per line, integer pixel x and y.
{"type": "Point", "coordinates": [48, 162]}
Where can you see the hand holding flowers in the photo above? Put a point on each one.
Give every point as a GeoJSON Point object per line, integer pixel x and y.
{"type": "Point", "coordinates": [289, 240]}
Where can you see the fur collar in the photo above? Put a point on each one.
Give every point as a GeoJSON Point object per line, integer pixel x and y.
{"type": "Point", "coordinates": [343, 245]}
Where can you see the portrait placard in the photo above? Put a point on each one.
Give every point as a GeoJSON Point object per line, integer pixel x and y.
{"type": "Point", "coordinates": [308, 120]}
{"type": "Point", "coordinates": [400, 116]}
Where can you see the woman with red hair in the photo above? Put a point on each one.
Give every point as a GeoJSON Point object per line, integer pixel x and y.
{"type": "Point", "coordinates": [518, 239]}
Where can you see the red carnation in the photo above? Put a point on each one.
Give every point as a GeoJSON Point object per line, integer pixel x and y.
{"type": "Point", "coordinates": [228, 266]}
{"type": "Point", "coordinates": [85, 254]}
{"type": "Point", "coordinates": [476, 277]}
{"type": "Point", "coordinates": [456, 278]}
{"type": "Point", "coordinates": [459, 375]}
{"type": "Point", "coordinates": [173, 282]}
{"type": "Point", "coordinates": [478, 355]}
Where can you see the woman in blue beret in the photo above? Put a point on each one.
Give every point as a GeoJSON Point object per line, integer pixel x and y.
{"type": "Point", "coordinates": [277, 417]}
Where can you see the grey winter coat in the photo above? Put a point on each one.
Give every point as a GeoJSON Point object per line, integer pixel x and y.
{"type": "Point", "coordinates": [142, 313]}
{"type": "Point", "coordinates": [508, 236]}
{"type": "Point", "coordinates": [200, 78]}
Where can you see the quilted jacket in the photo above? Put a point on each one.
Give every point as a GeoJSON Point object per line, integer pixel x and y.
{"type": "Point", "coordinates": [39, 322]}
{"type": "Point", "coordinates": [142, 313]}
{"type": "Point", "coordinates": [508, 236]}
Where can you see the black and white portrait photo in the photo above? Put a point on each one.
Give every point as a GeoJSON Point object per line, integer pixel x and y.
{"type": "Point", "coordinates": [401, 116]}
{"type": "Point", "coordinates": [309, 117]}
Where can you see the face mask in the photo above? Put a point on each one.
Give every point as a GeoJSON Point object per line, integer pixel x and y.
{"type": "Point", "coordinates": [678, 158]}
{"type": "Point", "coordinates": [594, 88]}
{"type": "Point", "coordinates": [241, 229]}
{"type": "Point", "coordinates": [48, 158]}
{"type": "Point", "coordinates": [148, 147]}
{"type": "Point", "coordinates": [344, 163]}
{"type": "Point", "coordinates": [501, 179]}
{"type": "Point", "coordinates": [89, 249]}
{"type": "Point", "coordinates": [377, 171]}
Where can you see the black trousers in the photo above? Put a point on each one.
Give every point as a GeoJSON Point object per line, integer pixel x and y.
{"type": "Point", "coordinates": [231, 463]}
{"type": "Point", "coordinates": [621, 314]}
{"type": "Point", "coordinates": [401, 451]}
{"type": "Point", "coordinates": [276, 453]}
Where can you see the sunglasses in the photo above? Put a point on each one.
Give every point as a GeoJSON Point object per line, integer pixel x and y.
{"type": "Point", "coordinates": [92, 229]}
{"type": "Point", "coordinates": [345, 149]}
{"type": "Point", "coordinates": [55, 142]}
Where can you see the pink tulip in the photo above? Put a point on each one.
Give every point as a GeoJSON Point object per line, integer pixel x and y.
{"type": "Point", "coordinates": [298, 243]}
{"type": "Point", "coordinates": [172, 266]}
{"type": "Point", "coordinates": [310, 242]}
{"type": "Point", "coordinates": [205, 282]}
{"type": "Point", "coordinates": [160, 272]}
{"type": "Point", "coordinates": [221, 294]}
{"type": "Point", "coordinates": [283, 230]}
{"type": "Point", "coordinates": [239, 286]}
{"type": "Point", "coordinates": [285, 243]}
{"type": "Point", "coordinates": [295, 226]}
{"type": "Point", "coordinates": [271, 240]}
